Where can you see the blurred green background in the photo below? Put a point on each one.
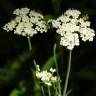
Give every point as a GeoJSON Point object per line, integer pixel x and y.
{"type": "Point", "coordinates": [16, 63]}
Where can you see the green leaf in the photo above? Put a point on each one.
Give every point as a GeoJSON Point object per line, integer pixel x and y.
{"type": "Point", "coordinates": [48, 17]}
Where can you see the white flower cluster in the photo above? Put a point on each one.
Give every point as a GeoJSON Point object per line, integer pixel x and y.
{"type": "Point", "coordinates": [26, 23]}
{"type": "Point", "coordinates": [47, 77]}
{"type": "Point", "coordinates": [72, 27]}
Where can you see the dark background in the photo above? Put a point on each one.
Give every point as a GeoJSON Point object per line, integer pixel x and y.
{"type": "Point", "coordinates": [14, 55]}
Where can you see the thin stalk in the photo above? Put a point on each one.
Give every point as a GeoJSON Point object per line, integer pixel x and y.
{"type": "Point", "coordinates": [69, 92]}
{"type": "Point", "coordinates": [35, 64]}
{"type": "Point", "coordinates": [55, 59]}
{"type": "Point", "coordinates": [49, 91]}
{"type": "Point", "coordinates": [68, 73]}
{"type": "Point", "coordinates": [42, 90]}
{"type": "Point", "coordinates": [29, 79]}
{"type": "Point", "coordinates": [29, 43]}
{"type": "Point", "coordinates": [55, 89]}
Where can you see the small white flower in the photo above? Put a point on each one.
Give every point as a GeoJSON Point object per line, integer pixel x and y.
{"type": "Point", "coordinates": [38, 74]}
{"type": "Point", "coordinates": [52, 70]}
{"type": "Point", "coordinates": [25, 19]}
{"type": "Point", "coordinates": [46, 76]}
{"type": "Point", "coordinates": [70, 40]}
{"type": "Point", "coordinates": [48, 83]}
{"type": "Point", "coordinates": [73, 13]}
{"type": "Point", "coordinates": [84, 23]}
{"type": "Point", "coordinates": [18, 19]}
{"type": "Point", "coordinates": [87, 34]}
{"type": "Point", "coordinates": [54, 79]}
{"type": "Point", "coordinates": [37, 67]}
{"type": "Point", "coordinates": [10, 26]}
{"type": "Point", "coordinates": [22, 11]}
{"type": "Point", "coordinates": [35, 14]}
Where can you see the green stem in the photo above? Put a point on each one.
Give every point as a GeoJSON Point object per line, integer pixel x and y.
{"type": "Point", "coordinates": [29, 79]}
{"type": "Point", "coordinates": [49, 91]}
{"type": "Point", "coordinates": [55, 59]}
{"type": "Point", "coordinates": [42, 90]}
{"type": "Point", "coordinates": [68, 92]}
{"type": "Point", "coordinates": [55, 89]}
{"type": "Point", "coordinates": [68, 73]}
{"type": "Point", "coordinates": [29, 43]}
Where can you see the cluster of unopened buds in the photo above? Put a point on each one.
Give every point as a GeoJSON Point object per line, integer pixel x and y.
{"type": "Point", "coordinates": [46, 77]}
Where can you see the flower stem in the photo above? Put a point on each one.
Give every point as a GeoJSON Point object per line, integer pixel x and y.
{"type": "Point", "coordinates": [49, 91]}
{"type": "Point", "coordinates": [42, 90]}
{"type": "Point", "coordinates": [55, 89]}
{"type": "Point", "coordinates": [29, 79]}
{"type": "Point", "coordinates": [59, 86]}
{"type": "Point", "coordinates": [68, 73]}
{"type": "Point", "coordinates": [29, 43]}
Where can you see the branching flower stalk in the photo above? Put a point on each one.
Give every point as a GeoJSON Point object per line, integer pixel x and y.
{"type": "Point", "coordinates": [49, 92]}
{"type": "Point", "coordinates": [55, 89]}
{"type": "Point", "coordinates": [42, 90]}
{"type": "Point", "coordinates": [55, 59]}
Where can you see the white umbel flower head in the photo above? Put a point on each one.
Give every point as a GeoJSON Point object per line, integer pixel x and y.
{"type": "Point", "coordinates": [71, 27]}
{"type": "Point", "coordinates": [26, 23]}
{"type": "Point", "coordinates": [47, 77]}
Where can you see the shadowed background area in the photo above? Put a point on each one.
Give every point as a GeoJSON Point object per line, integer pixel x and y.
{"type": "Point", "coordinates": [15, 58]}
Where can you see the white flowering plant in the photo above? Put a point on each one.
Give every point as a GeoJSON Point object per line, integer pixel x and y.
{"type": "Point", "coordinates": [26, 23]}
{"type": "Point", "coordinates": [71, 26]}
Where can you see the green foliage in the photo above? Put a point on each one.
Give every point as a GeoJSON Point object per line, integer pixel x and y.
{"type": "Point", "coordinates": [9, 71]}
{"type": "Point", "coordinates": [20, 91]}
{"type": "Point", "coordinates": [48, 17]}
